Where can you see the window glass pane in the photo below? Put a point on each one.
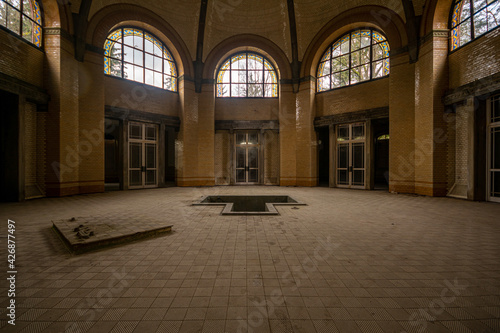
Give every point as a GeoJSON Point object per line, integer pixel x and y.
{"type": "Point", "coordinates": [344, 46]}
{"type": "Point", "coordinates": [239, 62]}
{"type": "Point", "coordinates": [158, 62]}
{"type": "Point", "coordinates": [324, 83]}
{"type": "Point", "coordinates": [150, 177]}
{"type": "Point", "coordinates": [240, 176]}
{"type": "Point", "coordinates": [116, 51]}
{"type": "Point", "coordinates": [495, 110]}
{"type": "Point", "coordinates": [358, 155]}
{"type": "Point", "coordinates": [138, 40]}
{"type": "Point", "coordinates": [495, 148]}
{"type": "Point", "coordinates": [128, 54]}
{"type": "Point", "coordinates": [480, 23]}
{"type": "Point", "coordinates": [150, 155]}
{"type": "Point", "coordinates": [28, 26]}
{"type": "Point", "coordinates": [336, 80]}
{"type": "Point", "coordinates": [223, 90]}
{"type": "Point", "coordinates": [342, 178]}
{"type": "Point", "coordinates": [343, 158]}
{"type": "Point", "coordinates": [135, 178]}
{"type": "Point", "coordinates": [355, 41]}
{"type": "Point", "coordinates": [270, 77]}
{"type": "Point", "coordinates": [378, 69]}
{"type": "Point", "coordinates": [238, 76]}
{"type": "Point", "coordinates": [255, 76]}
{"type": "Point", "coordinates": [13, 20]}
{"type": "Point", "coordinates": [358, 132]}
{"type": "Point", "coordinates": [255, 62]}
{"type": "Point", "coordinates": [138, 58]}
{"type": "Point", "coordinates": [365, 55]}
{"type": "Point", "coordinates": [465, 32]}
{"type": "Point", "coordinates": [336, 51]}
{"type": "Point", "coordinates": [253, 175]}
{"type": "Point", "coordinates": [493, 15]}
{"type": "Point", "coordinates": [344, 78]}
{"type": "Point", "coordinates": [128, 40]}
{"type": "Point", "coordinates": [128, 71]}
{"type": "Point", "coordinates": [342, 133]}
{"type": "Point", "coordinates": [465, 10]}
{"type": "Point", "coordinates": [238, 90]}
{"type": "Point", "coordinates": [169, 82]}
{"type": "Point", "coordinates": [252, 157]}
{"type": "Point", "coordinates": [356, 58]}
{"type": "Point", "coordinates": [253, 138]}
{"type": "Point", "coordinates": [15, 3]}
{"type": "Point", "coordinates": [255, 90]}
{"type": "Point", "coordinates": [149, 61]}
{"type": "Point", "coordinates": [135, 131]}
{"type": "Point", "coordinates": [115, 67]}
{"type": "Point", "coordinates": [157, 50]}
{"type": "Point", "coordinates": [478, 4]}
{"type": "Point", "coordinates": [324, 68]}
{"type": "Point", "coordinates": [158, 80]}
{"type": "Point", "coordinates": [365, 40]}
{"type": "Point", "coordinates": [138, 74]}
{"type": "Point", "coordinates": [3, 13]}
{"type": "Point", "coordinates": [135, 155]}
{"type": "Point", "coordinates": [148, 46]}
{"type": "Point", "coordinates": [149, 77]}
{"type": "Point", "coordinates": [355, 75]}
{"type": "Point", "coordinates": [27, 8]}
{"type": "Point", "coordinates": [240, 157]}
{"type": "Point", "coordinates": [358, 177]}
{"type": "Point", "coordinates": [167, 67]}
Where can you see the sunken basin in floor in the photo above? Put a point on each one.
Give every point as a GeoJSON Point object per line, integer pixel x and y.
{"type": "Point", "coordinates": [249, 204]}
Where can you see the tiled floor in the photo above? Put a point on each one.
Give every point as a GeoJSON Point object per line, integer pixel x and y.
{"type": "Point", "coordinates": [350, 261]}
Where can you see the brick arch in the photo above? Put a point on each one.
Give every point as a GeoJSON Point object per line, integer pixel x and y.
{"type": "Point", "coordinates": [247, 43]}
{"type": "Point", "coordinates": [436, 16]}
{"type": "Point", "coordinates": [381, 18]}
{"type": "Point", "coordinates": [56, 14]}
{"type": "Point", "coordinates": [115, 16]}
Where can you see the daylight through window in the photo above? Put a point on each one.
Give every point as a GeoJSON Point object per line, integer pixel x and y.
{"type": "Point", "coordinates": [137, 55]}
{"type": "Point", "coordinates": [358, 56]}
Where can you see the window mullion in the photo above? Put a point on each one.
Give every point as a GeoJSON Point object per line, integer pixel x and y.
{"type": "Point", "coordinates": [123, 53]}
{"type": "Point", "coordinates": [350, 57]}
{"type": "Point", "coordinates": [472, 34]}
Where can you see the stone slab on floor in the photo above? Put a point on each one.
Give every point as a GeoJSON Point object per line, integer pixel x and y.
{"type": "Point", "coordinates": [82, 234]}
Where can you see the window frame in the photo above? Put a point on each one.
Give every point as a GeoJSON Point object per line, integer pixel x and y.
{"type": "Point", "coordinates": [247, 83]}
{"type": "Point", "coordinates": [350, 66]}
{"type": "Point", "coordinates": [472, 32]}
{"type": "Point", "coordinates": [37, 11]}
{"type": "Point", "coordinates": [166, 56]}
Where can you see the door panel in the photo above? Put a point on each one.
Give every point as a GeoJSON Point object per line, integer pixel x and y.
{"type": "Point", "coordinates": [247, 150]}
{"type": "Point", "coordinates": [143, 150]}
{"type": "Point", "coordinates": [494, 149]}
{"type": "Point", "coordinates": [351, 155]}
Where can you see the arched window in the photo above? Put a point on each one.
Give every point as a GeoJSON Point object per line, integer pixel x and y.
{"type": "Point", "coordinates": [471, 19]}
{"type": "Point", "coordinates": [358, 56]}
{"type": "Point", "coordinates": [247, 75]}
{"type": "Point", "coordinates": [22, 17]}
{"type": "Point", "coordinates": [137, 55]}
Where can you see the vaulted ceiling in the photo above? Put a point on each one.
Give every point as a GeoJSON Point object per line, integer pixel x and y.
{"type": "Point", "coordinates": [266, 18]}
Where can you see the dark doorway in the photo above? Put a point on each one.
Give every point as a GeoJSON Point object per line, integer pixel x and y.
{"type": "Point", "coordinates": [324, 156]}
{"type": "Point", "coordinates": [113, 170]}
{"type": "Point", "coordinates": [9, 147]}
{"type": "Point", "coordinates": [381, 149]}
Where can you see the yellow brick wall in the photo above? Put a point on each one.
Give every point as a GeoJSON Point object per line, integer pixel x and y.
{"type": "Point", "coordinates": [476, 60]}
{"type": "Point", "coordinates": [364, 96]}
{"type": "Point", "coordinates": [21, 60]}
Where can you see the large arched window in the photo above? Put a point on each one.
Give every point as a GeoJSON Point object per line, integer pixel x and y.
{"type": "Point", "coordinates": [247, 75]}
{"type": "Point", "coordinates": [22, 17]}
{"type": "Point", "coordinates": [137, 55]}
{"type": "Point", "coordinates": [358, 56]}
{"type": "Point", "coordinates": [471, 19]}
